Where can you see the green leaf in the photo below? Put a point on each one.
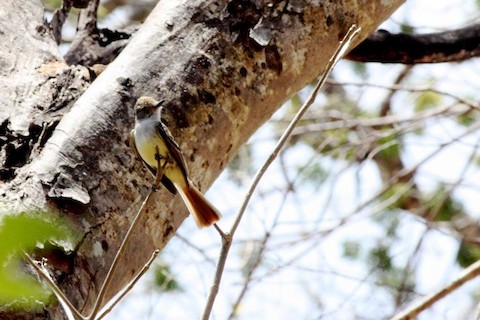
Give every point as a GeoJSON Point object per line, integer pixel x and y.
{"type": "Point", "coordinates": [389, 147]}
{"type": "Point", "coordinates": [401, 193]}
{"type": "Point", "coordinates": [351, 249]}
{"type": "Point", "coordinates": [164, 280]}
{"type": "Point", "coordinates": [442, 207]}
{"type": "Point", "coordinates": [23, 232]}
{"type": "Point", "coordinates": [405, 28]}
{"type": "Point", "coordinates": [427, 100]}
{"type": "Point", "coordinates": [380, 257]}
{"type": "Point", "coordinates": [315, 174]}
{"type": "Point", "coordinates": [468, 118]}
{"type": "Point", "coordinates": [468, 253]}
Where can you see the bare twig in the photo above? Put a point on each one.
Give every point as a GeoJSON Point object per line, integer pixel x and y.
{"type": "Point", "coordinates": [347, 122]}
{"type": "Point", "coordinates": [121, 251]}
{"type": "Point", "coordinates": [386, 105]}
{"type": "Point", "coordinates": [470, 102]}
{"type": "Point", "coordinates": [467, 275]}
{"type": "Point", "coordinates": [59, 18]}
{"type": "Point", "coordinates": [196, 248]}
{"type": "Point", "coordinates": [256, 260]}
{"type": "Point", "coordinates": [127, 288]}
{"type": "Point", "coordinates": [87, 19]}
{"type": "Point", "coordinates": [258, 256]}
{"type": "Point", "coordinates": [476, 314]}
{"type": "Point", "coordinates": [70, 310]}
{"type": "Point", "coordinates": [227, 237]}
{"type": "Point", "coordinates": [406, 172]}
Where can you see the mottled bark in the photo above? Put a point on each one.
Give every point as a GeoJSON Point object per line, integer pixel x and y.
{"type": "Point", "coordinates": [223, 68]}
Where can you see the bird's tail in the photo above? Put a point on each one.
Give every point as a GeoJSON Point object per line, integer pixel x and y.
{"type": "Point", "coordinates": [200, 208]}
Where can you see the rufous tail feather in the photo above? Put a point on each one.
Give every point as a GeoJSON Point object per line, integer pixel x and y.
{"type": "Point", "coordinates": [204, 213]}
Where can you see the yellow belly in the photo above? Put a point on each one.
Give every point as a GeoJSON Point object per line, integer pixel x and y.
{"type": "Point", "coordinates": [147, 146]}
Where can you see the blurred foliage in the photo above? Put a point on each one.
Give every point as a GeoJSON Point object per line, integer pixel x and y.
{"type": "Point", "coordinates": [406, 28]}
{"type": "Point", "coordinates": [315, 174]}
{"type": "Point", "coordinates": [427, 100]}
{"type": "Point", "coordinates": [21, 232]}
{"type": "Point", "coordinates": [351, 249]}
{"type": "Point", "coordinates": [250, 253]}
{"type": "Point", "coordinates": [380, 258]}
{"type": "Point", "coordinates": [164, 281]}
{"type": "Point", "coordinates": [241, 166]}
{"type": "Point", "coordinates": [468, 118]}
{"type": "Point", "coordinates": [392, 222]}
{"type": "Point", "coordinates": [400, 282]}
{"type": "Point", "coordinates": [389, 147]}
{"type": "Point", "coordinates": [468, 253]}
{"type": "Point", "coordinates": [440, 206]}
{"type": "Point", "coordinates": [398, 196]}
{"type": "Point", "coordinates": [360, 69]}
{"type": "Point", "coordinates": [52, 5]}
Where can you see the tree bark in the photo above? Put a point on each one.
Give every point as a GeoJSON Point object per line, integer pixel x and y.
{"type": "Point", "coordinates": [223, 68]}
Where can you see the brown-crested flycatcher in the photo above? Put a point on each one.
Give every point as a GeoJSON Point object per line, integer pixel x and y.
{"type": "Point", "coordinates": [151, 134]}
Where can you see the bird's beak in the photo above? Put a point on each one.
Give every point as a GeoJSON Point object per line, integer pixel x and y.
{"type": "Point", "coordinates": [159, 104]}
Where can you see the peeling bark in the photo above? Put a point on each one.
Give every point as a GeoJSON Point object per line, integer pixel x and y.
{"type": "Point", "coordinates": [223, 68]}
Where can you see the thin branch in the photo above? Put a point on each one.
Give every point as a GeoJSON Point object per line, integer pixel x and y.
{"type": "Point", "coordinates": [68, 307]}
{"type": "Point", "coordinates": [128, 287]}
{"type": "Point", "coordinates": [470, 102]}
{"type": "Point", "coordinates": [476, 314]}
{"type": "Point", "coordinates": [121, 251]}
{"type": "Point", "coordinates": [387, 105]}
{"type": "Point", "coordinates": [87, 19]}
{"type": "Point", "coordinates": [347, 123]}
{"type": "Point", "coordinates": [257, 258]}
{"type": "Point", "coordinates": [86, 32]}
{"type": "Point", "coordinates": [402, 289]}
{"type": "Point", "coordinates": [59, 18]}
{"type": "Point", "coordinates": [196, 248]}
{"type": "Point", "coordinates": [426, 302]}
{"type": "Point", "coordinates": [407, 172]}
{"type": "Point", "coordinates": [227, 237]}
{"type": "Point", "coordinates": [340, 120]}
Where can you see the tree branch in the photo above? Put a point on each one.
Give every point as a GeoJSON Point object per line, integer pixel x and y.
{"type": "Point", "coordinates": [467, 275]}
{"type": "Point", "coordinates": [93, 45]}
{"type": "Point", "coordinates": [450, 46]}
{"type": "Point", "coordinates": [59, 18]}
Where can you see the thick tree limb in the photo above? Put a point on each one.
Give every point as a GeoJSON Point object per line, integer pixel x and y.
{"type": "Point", "coordinates": [449, 46]}
{"type": "Point", "coordinates": [223, 68]}
{"type": "Point", "coordinates": [93, 45]}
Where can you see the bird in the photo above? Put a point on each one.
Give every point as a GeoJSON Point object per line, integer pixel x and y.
{"type": "Point", "coordinates": [150, 136]}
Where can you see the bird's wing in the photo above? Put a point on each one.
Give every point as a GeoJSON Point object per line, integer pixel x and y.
{"type": "Point", "coordinates": [173, 147]}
